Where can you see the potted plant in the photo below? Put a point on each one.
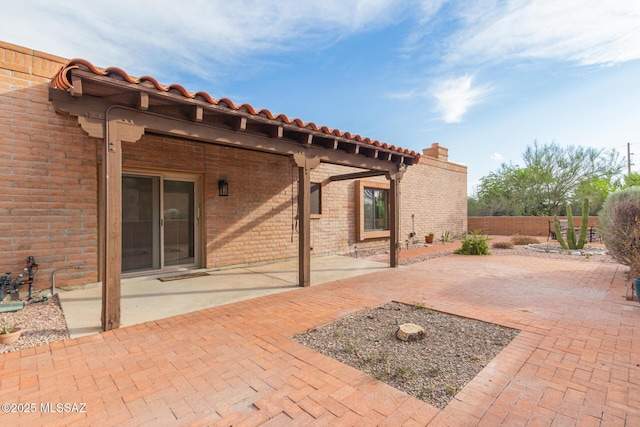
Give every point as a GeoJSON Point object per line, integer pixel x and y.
{"type": "Point", "coordinates": [9, 333]}
{"type": "Point", "coordinates": [429, 238]}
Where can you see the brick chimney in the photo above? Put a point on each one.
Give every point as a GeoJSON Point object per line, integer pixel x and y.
{"type": "Point", "coordinates": [436, 152]}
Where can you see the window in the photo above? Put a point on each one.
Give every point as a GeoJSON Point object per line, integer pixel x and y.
{"type": "Point", "coordinates": [316, 198]}
{"type": "Point", "coordinates": [373, 210]}
{"type": "Point", "coordinates": [376, 209]}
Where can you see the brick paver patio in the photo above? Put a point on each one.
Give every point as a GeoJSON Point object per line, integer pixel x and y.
{"type": "Point", "coordinates": [576, 361]}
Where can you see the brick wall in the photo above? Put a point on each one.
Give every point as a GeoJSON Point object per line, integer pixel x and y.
{"type": "Point", "coordinates": [434, 192]}
{"type": "Point", "coordinates": [47, 194]}
{"type": "Point", "coordinates": [537, 226]}
{"type": "Point", "coordinates": [258, 221]}
{"type": "Point", "coordinates": [252, 224]}
{"type": "Point", "coordinates": [434, 199]}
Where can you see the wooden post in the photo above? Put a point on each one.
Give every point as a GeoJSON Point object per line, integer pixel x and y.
{"type": "Point", "coordinates": [112, 249]}
{"type": "Point", "coordinates": [117, 131]}
{"type": "Point", "coordinates": [305, 166]}
{"type": "Point", "coordinates": [394, 217]}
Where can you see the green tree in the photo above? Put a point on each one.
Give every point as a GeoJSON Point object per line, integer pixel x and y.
{"type": "Point", "coordinates": [631, 180]}
{"type": "Point", "coordinates": [596, 190]}
{"type": "Point", "coordinates": [503, 192]}
{"type": "Point", "coordinates": [552, 177]}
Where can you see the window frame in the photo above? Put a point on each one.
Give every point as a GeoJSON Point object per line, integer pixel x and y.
{"type": "Point", "coordinates": [363, 234]}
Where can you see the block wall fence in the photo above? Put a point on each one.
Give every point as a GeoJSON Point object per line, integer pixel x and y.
{"type": "Point", "coordinates": [49, 186]}
{"type": "Point", "coordinates": [537, 226]}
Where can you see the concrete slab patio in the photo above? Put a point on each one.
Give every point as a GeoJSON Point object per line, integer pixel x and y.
{"type": "Point", "coordinates": [146, 298]}
{"type": "Point", "coordinates": [576, 361]}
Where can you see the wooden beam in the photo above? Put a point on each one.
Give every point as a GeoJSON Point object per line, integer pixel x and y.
{"type": "Point", "coordinates": [76, 86]}
{"type": "Point", "coordinates": [88, 105]}
{"type": "Point", "coordinates": [306, 138]}
{"type": "Point", "coordinates": [142, 101]}
{"type": "Point", "coordinates": [384, 155]}
{"type": "Point", "coordinates": [196, 113]}
{"type": "Point", "coordinates": [356, 175]}
{"type": "Point", "coordinates": [240, 123]}
{"type": "Point", "coordinates": [276, 132]}
{"type": "Point", "coordinates": [332, 144]}
{"type": "Point", "coordinates": [119, 86]}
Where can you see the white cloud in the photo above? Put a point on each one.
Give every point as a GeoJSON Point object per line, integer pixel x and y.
{"type": "Point", "coordinates": [456, 95]}
{"type": "Point", "coordinates": [586, 32]}
{"type": "Point", "coordinates": [405, 95]}
{"type": "Point", "coordinates": [497, 157]}
{"type": "Point", "coordinates": [197, 36]}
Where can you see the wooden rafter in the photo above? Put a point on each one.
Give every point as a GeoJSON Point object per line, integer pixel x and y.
{"type": "Point", "coordinates": [142, 101]}
{"type": "Point", "coordinates": [196, 113]}
{"type": "Point", "coordinates": [160, 101]}
{"type": "Point", "coordinates": [356, 175]}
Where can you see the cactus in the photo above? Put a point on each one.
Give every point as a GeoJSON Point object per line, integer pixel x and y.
{"type": "Point", "coordinates": [556, 226]}
{"type": "Point", "coordinates": [584, 226]}
{"type": "Point", "coordinates": [571, 243]}
{"type": "Point", "coordinates": [571, 231]}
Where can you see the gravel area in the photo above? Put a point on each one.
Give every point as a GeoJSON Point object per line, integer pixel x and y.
{"type": "Point", "coordinates": [538, 251]}
{"type": "Point", "coordinates": [41, 323]}
{"type": "Point", "coordinates": [591, 253]}
{"type": "Point", "coordinates": [433, 369]}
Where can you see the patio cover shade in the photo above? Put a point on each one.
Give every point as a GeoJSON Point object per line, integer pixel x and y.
{"type": "Point", "coordinates": [116, 107]}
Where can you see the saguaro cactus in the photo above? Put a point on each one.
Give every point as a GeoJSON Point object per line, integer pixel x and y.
{"type": "Point", "coordinates": [571, 242]}
{"type": "Point", "coordinates": [584, 226]}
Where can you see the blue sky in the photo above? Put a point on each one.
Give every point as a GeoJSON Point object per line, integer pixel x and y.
{"type": "Point", "coordinates": [483, 78]}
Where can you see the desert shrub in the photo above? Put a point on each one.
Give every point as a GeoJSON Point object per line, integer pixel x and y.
{"type": "Point", "coordinates": [475, 244]}
{"type": "Point", "coordinates": [620, 227]}
{"type": "Point", "coordinates": [524, 240]}
{"type": "Point", "coordinates": [502, 245]}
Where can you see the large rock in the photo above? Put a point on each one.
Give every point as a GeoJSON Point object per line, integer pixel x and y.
{"type": "Point", "coordinates": [410, 332]}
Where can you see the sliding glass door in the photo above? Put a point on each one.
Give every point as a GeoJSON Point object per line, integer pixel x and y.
{"type": "Point", "coordinates": [179, 222]}
{"type": "Point", "coordinates": [160, 222]}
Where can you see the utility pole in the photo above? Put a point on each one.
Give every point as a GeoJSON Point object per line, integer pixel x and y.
{"type": "Point", "coordinates": [628, 158]}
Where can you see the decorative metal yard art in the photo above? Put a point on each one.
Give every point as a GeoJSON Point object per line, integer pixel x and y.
{"type": "Point", "coordinates": [12, 286]}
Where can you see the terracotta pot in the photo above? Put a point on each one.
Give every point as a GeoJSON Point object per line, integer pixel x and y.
{"type": "Point", "coordinates": [10, 337]}
{"type": "Point", "coordinates": [428, 239]}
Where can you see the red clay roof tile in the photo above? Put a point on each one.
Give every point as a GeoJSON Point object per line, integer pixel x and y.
{"type": "Point", "coordinates": [60, 81]}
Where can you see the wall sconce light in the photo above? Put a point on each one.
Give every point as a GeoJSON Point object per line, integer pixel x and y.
{"type": "Point", "coordinates": [223, 188]}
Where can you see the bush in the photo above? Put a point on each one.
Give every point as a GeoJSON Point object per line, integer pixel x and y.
{"type": "Point", "coordinates": [524, 240]}
{"type": "Point", "coordinates": [620, 227]}
{"type": "Point", "coordinates": [502, 245]}
{"type": "Point", "coordinates": [476, 244]}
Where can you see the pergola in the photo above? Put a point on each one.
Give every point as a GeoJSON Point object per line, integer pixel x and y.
{"type": "Point", "coordinates": [113, 106]}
